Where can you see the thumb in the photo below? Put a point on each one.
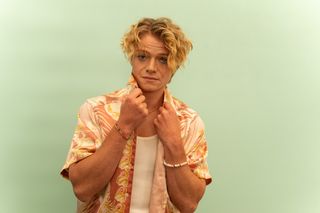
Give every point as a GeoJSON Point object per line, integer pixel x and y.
{"type": "Point", "coordinates": [123, 98]}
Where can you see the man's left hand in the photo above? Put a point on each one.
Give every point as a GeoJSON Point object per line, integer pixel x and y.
{"type": "Point", "coordinates": [168, 126]}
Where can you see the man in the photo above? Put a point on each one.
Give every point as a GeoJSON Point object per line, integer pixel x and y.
{"type": "Point", "coordinates": [139, 149]}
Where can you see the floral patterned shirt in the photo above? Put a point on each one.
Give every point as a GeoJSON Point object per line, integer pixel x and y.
{"type": "Point", "coordinates": [96, 119]}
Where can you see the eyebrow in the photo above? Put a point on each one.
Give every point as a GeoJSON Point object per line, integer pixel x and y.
{"type": "Point", "coordinates": [146, 51]}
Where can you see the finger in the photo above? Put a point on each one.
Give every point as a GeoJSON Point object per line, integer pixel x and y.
{"type": "Point", "coordinates": [159, 118]}
{"type": "Point", "coordinates": [143, 106]}
{"type": "Point", "coordinates": [167, 106]}
{"type": "Point", "coordinates": [156, 122]}
{"type": "Point", "coordinates": [135, 92]}
{"type": "Point", "coordinates": [123, 98]}
{"type": "Point", "coordinates": [140, 99]}
{"type": "Point", "coordinates": [162, 109]}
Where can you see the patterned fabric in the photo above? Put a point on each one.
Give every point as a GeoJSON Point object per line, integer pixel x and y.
{"type": "Point", "coordinates": [96, 119]}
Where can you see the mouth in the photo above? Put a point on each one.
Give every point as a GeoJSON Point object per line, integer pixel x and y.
{"type": "Point", "coordinates": [150, 78]}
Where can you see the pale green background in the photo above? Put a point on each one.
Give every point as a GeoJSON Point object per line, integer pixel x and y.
{"type": "Point", "coordinates": [253, 76]}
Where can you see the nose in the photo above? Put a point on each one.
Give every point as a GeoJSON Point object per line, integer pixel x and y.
{"type": "Point", "coordinates": [151, 65]}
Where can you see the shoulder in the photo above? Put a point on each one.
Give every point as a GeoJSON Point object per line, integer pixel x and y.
{"type": "Point", "coordinates": [102, 100]}
{"type": "Point", "coordinates": [103, 105]}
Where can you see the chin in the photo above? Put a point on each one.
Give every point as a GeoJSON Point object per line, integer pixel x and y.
{"type": "Point", "coordinates": [147, 88]}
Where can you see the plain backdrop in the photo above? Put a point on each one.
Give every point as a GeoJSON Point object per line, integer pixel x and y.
{"type": "Point", "coordinates": [253, 76]}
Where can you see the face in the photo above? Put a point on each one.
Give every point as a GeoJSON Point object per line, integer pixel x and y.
{"type": "Point", "coordinates": [149, 65]}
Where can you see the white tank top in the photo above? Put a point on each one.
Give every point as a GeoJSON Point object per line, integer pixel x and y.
{"type": "Point", "coordinates": [145, 157]}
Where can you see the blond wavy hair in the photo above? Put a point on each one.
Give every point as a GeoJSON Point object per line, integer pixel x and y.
{"type": "Point", "coordinates": [169, 33]}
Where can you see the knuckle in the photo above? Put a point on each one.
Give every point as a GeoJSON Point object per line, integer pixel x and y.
{"type": "Point", "coordinates": [129, 98]}
{"type": "Point", "coordinates": [142, 106]}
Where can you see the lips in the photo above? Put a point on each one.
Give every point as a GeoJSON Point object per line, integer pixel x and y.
{"type": "Point", "coordinates": [150, 78]}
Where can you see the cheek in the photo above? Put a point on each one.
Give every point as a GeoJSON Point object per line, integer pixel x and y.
{"type": "Point", "coordinates": [136, 67]}
{"type": "Point", "coordinates": [167, 78]}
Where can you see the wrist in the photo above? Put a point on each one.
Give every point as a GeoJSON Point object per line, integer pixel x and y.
{"type": "Point", "coordinates": [174, 153]}
{"type": "Point", "coordinates": [123, 130]}
{"type": "Point", "coordinates": [174, 146]}
{"type": "Point", "coordinates": [125, 126]}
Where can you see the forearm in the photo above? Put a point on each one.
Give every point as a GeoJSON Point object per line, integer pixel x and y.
{"type": "Point", "coordinates": [90, 175]}
{"type": "Point", "coordinates": [185, 188]}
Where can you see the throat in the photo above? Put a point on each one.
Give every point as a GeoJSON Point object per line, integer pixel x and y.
{"type": "Point", "coordinates": [147, 128]}
{"type": "Point", "coordinates": [153, 101]}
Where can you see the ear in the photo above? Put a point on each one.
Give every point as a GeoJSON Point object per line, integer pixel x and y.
{"type": "Point", "coordinates": [131, 57]}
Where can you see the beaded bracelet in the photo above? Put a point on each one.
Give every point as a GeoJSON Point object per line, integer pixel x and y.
{"type": "Point", "coordinates": [121, 133]}
{"type": "Point", "coordinates": [175, 165]}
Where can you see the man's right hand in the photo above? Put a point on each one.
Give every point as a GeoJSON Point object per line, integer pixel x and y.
{"type": "Point", "coordinates": [133, 111]}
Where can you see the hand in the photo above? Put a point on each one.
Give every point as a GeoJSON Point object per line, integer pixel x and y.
{"type": "Point", "coordinates": [133, 111]}
{"type": "Point", "coordinates": [168, 125]}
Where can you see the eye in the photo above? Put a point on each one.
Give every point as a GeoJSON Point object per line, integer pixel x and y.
{"type": "Point", "coordinates": [163, 60]}
{"type": "Point", "coordinates": [142, 56]}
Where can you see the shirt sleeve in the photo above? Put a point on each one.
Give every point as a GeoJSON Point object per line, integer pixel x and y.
{"type": "Point", "coordinates": [198, 152]}
{"type": "Point", "coordinates": [85, 140]}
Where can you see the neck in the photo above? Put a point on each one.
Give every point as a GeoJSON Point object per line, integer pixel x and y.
{"type": "Point", "coordinates": [154, 100]}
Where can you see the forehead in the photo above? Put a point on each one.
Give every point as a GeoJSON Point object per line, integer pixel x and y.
{"type": "Point", "coordinates": [152, 44]}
